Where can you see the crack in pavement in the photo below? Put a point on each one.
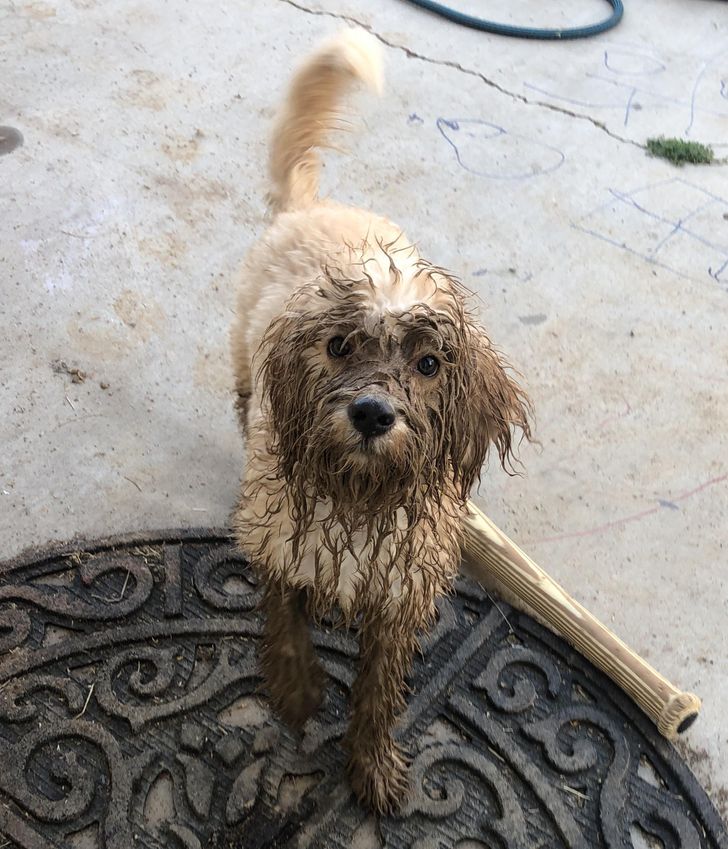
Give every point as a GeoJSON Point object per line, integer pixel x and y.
{"type": "Point", "coordinates": [448, 63]}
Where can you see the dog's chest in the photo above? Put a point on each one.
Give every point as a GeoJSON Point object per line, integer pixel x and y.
{"type": "Point", "coordinates": [349, 568]}
{"type": "Point", "coordinates": [355, 570]}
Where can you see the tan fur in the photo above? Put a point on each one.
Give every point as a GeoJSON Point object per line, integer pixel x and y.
{"type": "Point", "coordinates": [370, 528]}
{"type": "Point", "coordinates": [310, 114]}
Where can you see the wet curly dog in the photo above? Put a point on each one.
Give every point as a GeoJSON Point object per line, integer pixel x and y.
{"type": "Point", "coordinates": [369, 397]}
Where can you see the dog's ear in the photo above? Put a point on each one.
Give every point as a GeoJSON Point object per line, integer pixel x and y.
{"type": "Point", "coordinates": [487, 407]}
{"type": "Point", "coordinates": [284, 370]}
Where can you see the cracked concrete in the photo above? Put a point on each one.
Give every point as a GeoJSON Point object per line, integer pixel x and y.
{"type": "Point", "coordinates": [603, 274]}
{"type": "Point", "coordinates": [448, 63]}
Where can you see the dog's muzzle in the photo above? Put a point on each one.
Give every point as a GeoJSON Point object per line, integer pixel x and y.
{"type": "Point", "coordinates": [371, 415]}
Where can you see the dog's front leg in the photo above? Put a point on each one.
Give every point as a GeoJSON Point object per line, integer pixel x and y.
{"type": "Point", "coordinates": [377, 769]}
{"type": "Point", "coordinates": [293, 678]}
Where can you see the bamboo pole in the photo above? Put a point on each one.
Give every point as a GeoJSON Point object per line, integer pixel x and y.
{"type": "Point", "coordinates": [490, 553]}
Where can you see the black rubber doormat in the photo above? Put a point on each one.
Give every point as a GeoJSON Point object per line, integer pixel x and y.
{"type": "Point", "coordinates": [130, 717]}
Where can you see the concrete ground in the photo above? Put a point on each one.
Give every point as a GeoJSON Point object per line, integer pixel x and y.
{"type": "Point", "coordinates": [519, 165]}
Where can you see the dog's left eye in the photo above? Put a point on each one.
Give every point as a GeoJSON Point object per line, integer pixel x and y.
{"type": "Point", "coordinates": [428, 366]}
{"type": "Point", "coordinates": [338, 347]}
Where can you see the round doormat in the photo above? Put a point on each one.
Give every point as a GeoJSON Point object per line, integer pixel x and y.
{"type": "Point", "coordinates": [130, 717]}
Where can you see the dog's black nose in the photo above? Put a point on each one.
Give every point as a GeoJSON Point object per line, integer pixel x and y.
{"type": "Point", "coordinates": [371, 416]}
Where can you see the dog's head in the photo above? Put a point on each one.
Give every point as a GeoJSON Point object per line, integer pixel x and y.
{"type": "Point", "coordinates": [383, 390]}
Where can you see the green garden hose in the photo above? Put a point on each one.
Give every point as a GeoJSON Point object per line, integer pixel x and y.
{"type": "Point", "coordinates": [523, 32]}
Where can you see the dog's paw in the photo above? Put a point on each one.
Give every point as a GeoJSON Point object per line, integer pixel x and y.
{"type": "Point", "coordinates": [379, 780]}
{"type": "Point", "coordinates": [297, 696]}
{"type": "Point", "coordinates": [299, 704]}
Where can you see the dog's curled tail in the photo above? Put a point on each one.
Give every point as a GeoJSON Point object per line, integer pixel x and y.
{"type": "Point", "coordinates": [311, 113]}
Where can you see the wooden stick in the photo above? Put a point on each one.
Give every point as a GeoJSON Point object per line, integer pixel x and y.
{"type": "Point", "coordinates": [490, 553]}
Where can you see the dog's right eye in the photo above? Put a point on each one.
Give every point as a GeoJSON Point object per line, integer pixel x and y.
{"type": "Point", "coordinates": [338, 347]}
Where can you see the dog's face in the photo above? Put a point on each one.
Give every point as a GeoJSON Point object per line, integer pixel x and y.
{"type": "Point", "coordinates": [379, 392]}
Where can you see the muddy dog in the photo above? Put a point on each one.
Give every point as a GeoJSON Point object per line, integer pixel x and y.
{"type": "Point", "coordinates": [369, 396]}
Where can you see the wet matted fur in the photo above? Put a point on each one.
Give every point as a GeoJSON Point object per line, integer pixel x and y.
{"type": "Point", "coordinates": [336, 306]}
